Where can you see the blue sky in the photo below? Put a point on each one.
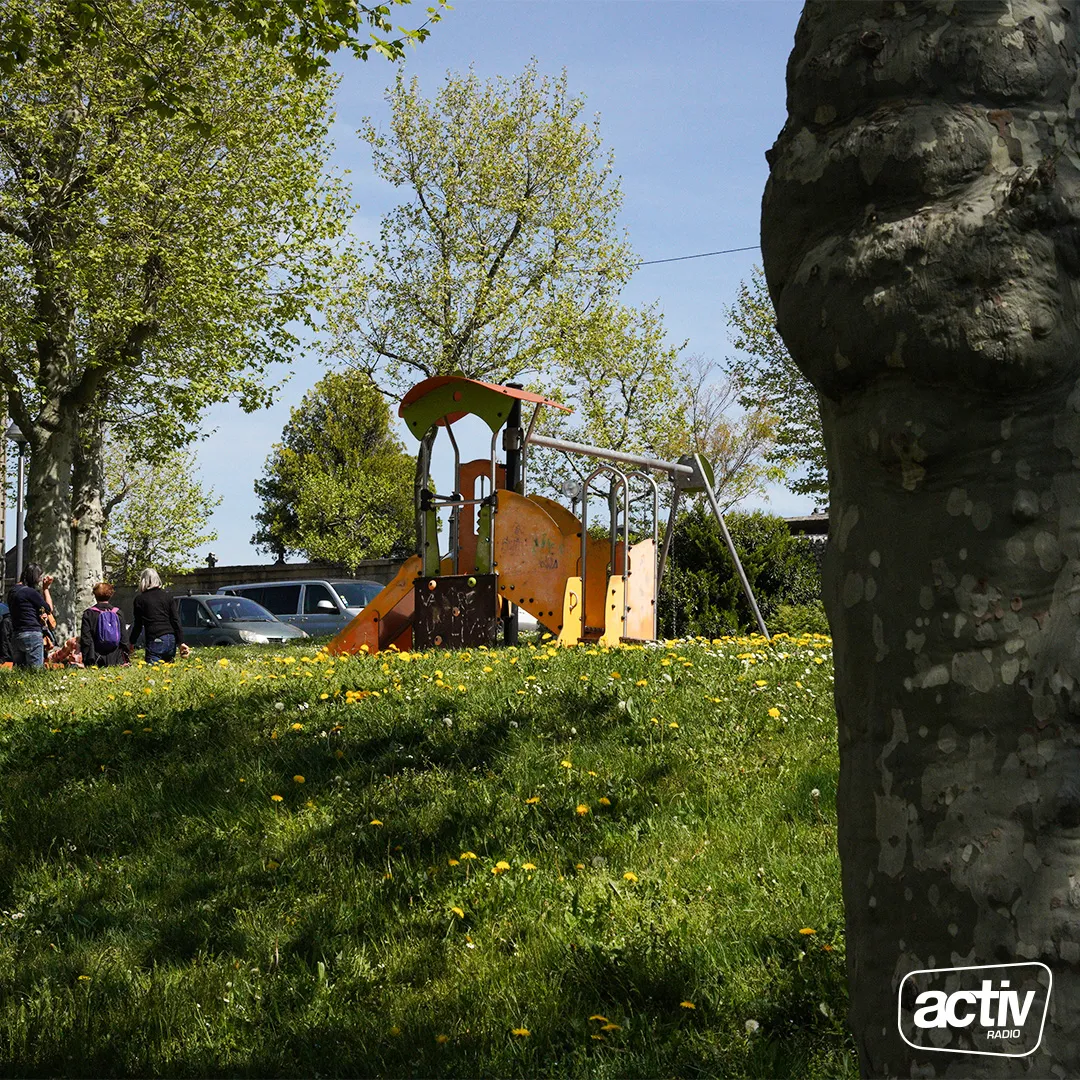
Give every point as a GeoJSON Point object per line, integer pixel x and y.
{"type": "Point", "coordinates": [690, 95]}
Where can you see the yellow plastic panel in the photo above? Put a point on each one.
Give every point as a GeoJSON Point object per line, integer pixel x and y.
{"type": "Point", "coordinates": [641, 592]}
{"type": "Point", "coordinates": [613, 613]}
{"type": "Point", "coordinates": [572, 630]}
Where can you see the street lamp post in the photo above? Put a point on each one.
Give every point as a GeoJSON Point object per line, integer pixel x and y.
{"type": "Point", "coordinates": [19, 439]}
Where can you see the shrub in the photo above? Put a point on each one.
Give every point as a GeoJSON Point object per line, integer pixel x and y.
{"type": "Point", "coordinates": [701, 593]}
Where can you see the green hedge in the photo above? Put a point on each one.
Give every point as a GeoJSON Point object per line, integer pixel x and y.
{"type": "Point", "coordinates": [701, 593]}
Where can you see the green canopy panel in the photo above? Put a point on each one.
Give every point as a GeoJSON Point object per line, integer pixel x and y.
{"type": "Point", "coordinates": [445, 399]}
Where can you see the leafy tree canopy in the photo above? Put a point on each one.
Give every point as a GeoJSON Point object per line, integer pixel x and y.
{"type": "Point", "coordinates": [767, 379]}
{"type": "Point", "coordinates": [338, 486]}
{"type": "Point", "coordinates": [304, 31]}
{"type": "Point", "coordinates": [157, 515]}
{"type": "Point", "coordinates": [506, 246]}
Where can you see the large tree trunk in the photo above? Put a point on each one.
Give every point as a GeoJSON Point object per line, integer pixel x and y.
{"type": "Point", "coordinates": [48, 510]}
{"type": "Point", "coordinates": [922, 249]}
{"type": "Point", "coordinates": [88, 510]}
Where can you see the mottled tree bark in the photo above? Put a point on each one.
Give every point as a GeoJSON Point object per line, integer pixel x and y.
{"type": "Point", "coordinates": [922, 249]}
{"type": "Point", "coordinates": [89, 512]}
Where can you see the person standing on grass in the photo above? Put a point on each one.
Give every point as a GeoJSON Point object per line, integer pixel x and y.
{"type": "Point", "coordinates": [103, 638]}
{"type": "Point", "coordinates": [156, 615]}
{"type": "Point", "coordinates": [31, 612]}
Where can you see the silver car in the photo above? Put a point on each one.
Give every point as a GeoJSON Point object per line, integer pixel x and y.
{"type": "Point", "coordinates": [231, 620]}
{"type": "Point", "coordinates": [317, 606]}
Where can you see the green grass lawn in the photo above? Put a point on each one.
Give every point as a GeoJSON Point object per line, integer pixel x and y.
{"type": "Point", "coordinates": [531, 862]}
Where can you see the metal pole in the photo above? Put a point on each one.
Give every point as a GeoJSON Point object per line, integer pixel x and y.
{"type": "Point", "coordinates": [735, 559]}
{"type": "Point", "coordinates": [19, 512]}
{"type": "Point", "coordinates": [513, 444]}
{"type": "Point", "coordinates": [672, 467]}
{"type": "Point", "coordinates": [668, 534]}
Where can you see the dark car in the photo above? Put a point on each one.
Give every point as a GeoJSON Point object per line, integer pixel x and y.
{"type": "Point", "coordinates": [231, 620]}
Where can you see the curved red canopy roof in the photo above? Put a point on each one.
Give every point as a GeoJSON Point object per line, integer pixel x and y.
{"type": "Point", "coordinates": [434, 401]}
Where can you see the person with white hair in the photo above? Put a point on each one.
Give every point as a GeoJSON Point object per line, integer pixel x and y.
{"type": "Point", "coordinates": [156, 615]}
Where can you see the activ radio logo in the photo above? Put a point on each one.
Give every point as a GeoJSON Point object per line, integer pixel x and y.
{"type": "Point", "coordinates": [997, 1010]}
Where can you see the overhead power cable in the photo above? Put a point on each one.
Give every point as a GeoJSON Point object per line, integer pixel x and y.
{"type": "Point", "coordinates": [703, 255]}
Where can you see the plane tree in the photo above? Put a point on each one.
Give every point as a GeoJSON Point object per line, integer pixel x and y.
{"type": "Point", "coordinates": [150, 267]}
{"type": "Point", "coordinates": [920, 236]}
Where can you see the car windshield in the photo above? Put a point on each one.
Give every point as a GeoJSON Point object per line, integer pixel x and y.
{"type": "Point", "coordinates": [238, 609]}
{"type": "Point", "coordinates": [356, 593]}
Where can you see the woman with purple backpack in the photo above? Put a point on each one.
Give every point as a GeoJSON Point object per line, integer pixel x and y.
{"type": "Point", "coordinates": [103, 638]}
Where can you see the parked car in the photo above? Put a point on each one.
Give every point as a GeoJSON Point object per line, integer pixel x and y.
{"type": "Point", "coordinates": [231, 620]}
{"type": "Point", "coordinates": [316, 606]}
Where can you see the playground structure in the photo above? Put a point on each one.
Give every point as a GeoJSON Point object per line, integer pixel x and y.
{"type": "Point", "coordinates": [510, 550]}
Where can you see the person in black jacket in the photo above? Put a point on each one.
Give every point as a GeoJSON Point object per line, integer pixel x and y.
{"type": "Point", "coordinates": [156, 615]}
{"type": "Point", "coordinates": [94, 652]}
{"type": "Point", "coordinates": [31, 613]}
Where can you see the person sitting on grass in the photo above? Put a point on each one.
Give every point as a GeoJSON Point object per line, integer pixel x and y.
{"type": "Point", "coordinates": [31, 612]}
{"type": "Point", "coordinates": [156, 614]}
{"type": "Point", "coordinates": [103, 638]}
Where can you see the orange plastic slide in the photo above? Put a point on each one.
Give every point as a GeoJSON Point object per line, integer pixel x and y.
{"type": "Point", "coordinates": [387, 620]}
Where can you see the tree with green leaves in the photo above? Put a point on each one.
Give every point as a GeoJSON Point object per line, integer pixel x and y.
{"type": "Point", "coordinates": [769, 381]}
{"type": "Point", "coordinates": [338, 485]}
{"type": "Point", "coordinates": [505, 262]}
{"type": "Point", "coordinates": [149, 267]}
{"type": "Point", "coordinates": [306, 32]}
{"type": "Point", "coordinates": [735, 440]}
{"type": "Point", "coordinates": [155, 515]}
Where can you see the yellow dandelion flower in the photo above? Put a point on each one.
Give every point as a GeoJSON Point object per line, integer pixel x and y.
{"type": "Point", "coordinates": [528, 866]}
{"type": "Point", "coordinates": [271, 865]}
{"type": "Point", "coordinates": [323, 697]}
{"type": "Point", "coordinates": [611, 1027]}
{"type": "Point", "coordinates": [298, 727]}
{"type": "Point", "coordinates": [687, 1005]}
{"type": "Point", "coordinates": [604, 800]}
{"type": "Point", "coordinates": [375, 821]}
{"type": "Point", "coordinates": [583, 678]}
{"type": "Point", "coordinates": [674, 724]}
{"type": "Point", "coordinates": [579, 866]}
{"type": "Point", "coordinates": [468, 855]}
{"type": "Point", "coordinates": [598, 1038]}
{"type": "Point", "coordinates": [276, 798]}
{"type": "Point", "coordinates": [582, 809]}
{"type": "Point", "coordinates": [298, 778]}
{"type": "Point", "coordinates": [567, 764]}
{"type": "Point", "coordinates": [807, 930]}
{"type": "Point", "coordinates": [642, 682]}
{"type": "Point", "coordinates": [521, 1033]}
{"type": "Point", "coordinates": [630, 875]}
{"type": "Point", "coordinates": [84, 978]}
{"type": "Point", "coordinates": [442, 1040]}
{"type": "Point", "coordinates": [774, 712]}
{"type": "Point", "coordinates": [615, 675]}
{"type": "Point", "coordinates": [602, 1019]}
{"type": "Point", "coordinates": [127, 731]}
{"type": "Point", "coordinates": [395, 1030]}
{"type": "Point", "coordinates": [591, 773]}
{"type": "Point", "coordinates": [533, 801]}
{"type": "Point", "coordinates": [453, 862]}
{"type": "Point", "coordinates": [458, 912]}
{"type": "Point", "coordinates": [223, 662]}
